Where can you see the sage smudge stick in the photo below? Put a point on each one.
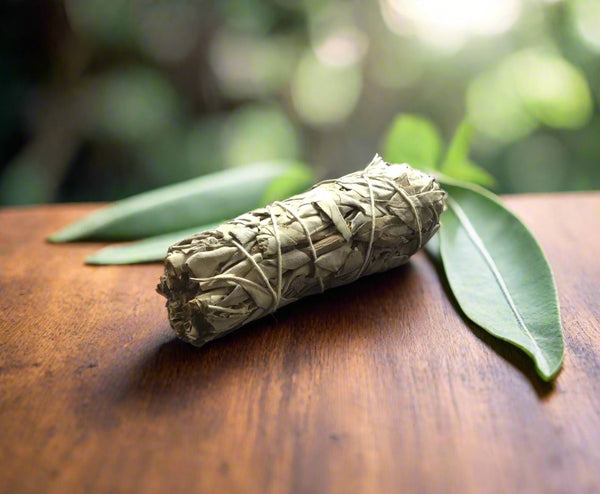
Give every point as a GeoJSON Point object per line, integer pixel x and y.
{"type": "Point", "coordinates": [339, 230]}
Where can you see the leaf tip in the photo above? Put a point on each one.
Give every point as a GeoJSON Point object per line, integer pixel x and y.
{"type": "Point", "coordinates": [105, 257]}
{"type": "Point", "coordinates": [548, 370]}
{"type": "Point", "coordinates": [59, 237]}
{"type": "Point", "coordinates": [94, 260]}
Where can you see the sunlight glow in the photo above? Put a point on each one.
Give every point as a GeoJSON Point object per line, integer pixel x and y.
{"type": "Point", "coordinates": [449, 24]}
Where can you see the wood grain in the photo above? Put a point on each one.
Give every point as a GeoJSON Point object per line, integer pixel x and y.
{"type": "Point", "coordinates": [375, 387]}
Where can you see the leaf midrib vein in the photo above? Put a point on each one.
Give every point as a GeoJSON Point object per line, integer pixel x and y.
{"type": "Point", "coordinates": [478, 242]}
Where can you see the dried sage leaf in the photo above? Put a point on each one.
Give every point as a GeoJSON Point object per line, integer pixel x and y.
{"type": "Point", "coordinates": [339, 230]}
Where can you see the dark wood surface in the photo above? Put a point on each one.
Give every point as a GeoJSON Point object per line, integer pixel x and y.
{"type": "Point", "coordinates": [376, 387]}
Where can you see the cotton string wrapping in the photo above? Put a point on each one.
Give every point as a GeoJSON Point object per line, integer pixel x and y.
{"type": "Point", "coordinates": [276, 291]}
{"type": "Point", "coordinates": [336, 232]}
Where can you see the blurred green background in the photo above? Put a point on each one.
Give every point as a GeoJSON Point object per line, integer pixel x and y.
{"type": "Point", "coordinates": [104, 99]}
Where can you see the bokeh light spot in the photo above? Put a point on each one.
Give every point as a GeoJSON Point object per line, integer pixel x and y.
{"type": "Point", "coordinates": [248, 65]}
{"type": "Point", "coordinates": [168, 30]}
{"type": "Point", "coordinates": [106, 22]}
{"type": "Point", "coordinates": [133, 104]}
{"type": "Point", "coordinates": [324, 95]}
{"type": "Point", "coordinates": [586, 17]}
{"type": "Point", "coordinates": [527, 89]}
{"type": "Point", "coordinates": [552, 90]}
{"type": "Point", "coordinates": [334, 36]}
{"type": "Point", "coordinates": [259, 132]}
{"type": "Point", "coordinates": [342, 47]}
{"type": "Point", "coordinates": [494, 108]}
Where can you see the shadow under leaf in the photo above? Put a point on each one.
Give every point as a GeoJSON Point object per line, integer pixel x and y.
{"type": "Point", "coordinates": [510, 353]}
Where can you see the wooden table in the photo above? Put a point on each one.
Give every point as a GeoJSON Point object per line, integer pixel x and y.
{"type": "Point", "coordinates": [376, 387]}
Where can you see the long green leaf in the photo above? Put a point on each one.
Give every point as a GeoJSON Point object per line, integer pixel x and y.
{"type": "Point", "coordinates": [152, 249]}
{"type": "Point", "coordinates": [414, 140]}
{"type": "Point", "coordinates": [458, 150]}
{"type": "Point", "coordinates": [296, 180]}
{"type": "Point", "coordinates": [207, 199]}
{"type": "Point", "coordinates": [457, 164]}
{"type": "Point", "coordinates": [499, 274]}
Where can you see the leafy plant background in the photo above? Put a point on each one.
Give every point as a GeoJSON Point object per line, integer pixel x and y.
{"type": "Point", "coordinates": [101, 100]}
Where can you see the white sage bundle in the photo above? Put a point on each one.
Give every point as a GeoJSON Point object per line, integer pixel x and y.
{"type": "Point", "coordinates": [336, 232]}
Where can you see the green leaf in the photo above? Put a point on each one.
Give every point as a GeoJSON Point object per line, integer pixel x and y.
{"type": "Point", "coordinates": [458, 150]}
{"type": "Point", "coordinates": [499, 274]}
{"type": "Point", "coordinates": [414, 140]}
{"type": "Point", "coordinates": [295, 180]}
{"type": "Point", "coordinates": [470, 172]}
{"type": "Point", "coordinates": [207, 199]}
{"type": "Point", "coordinates": [457, 164]}
{"type": "Point", "coordinates": [152, 249]}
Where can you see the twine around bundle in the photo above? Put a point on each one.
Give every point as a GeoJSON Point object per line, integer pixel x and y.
{"type": "Point", "coordinates": [336, 232]}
